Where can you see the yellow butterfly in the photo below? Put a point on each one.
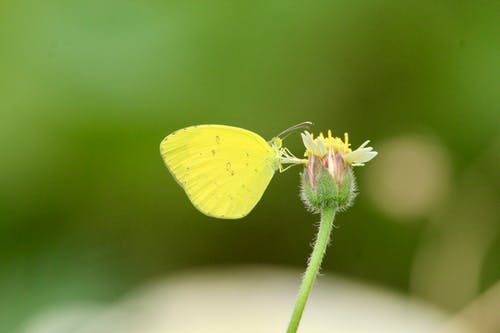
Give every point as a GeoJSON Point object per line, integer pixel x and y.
{"type": "Point", "coordinates": [225, 170]}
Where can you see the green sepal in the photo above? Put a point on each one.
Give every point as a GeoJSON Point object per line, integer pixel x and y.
{"type": "Point", "coordinates": [326, 193]}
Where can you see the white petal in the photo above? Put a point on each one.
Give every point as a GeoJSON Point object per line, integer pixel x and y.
{"type": "Point", "coordinates": [308, 142]}
{"type": "Point", "coordinates": [322, 148]}
{"type": "Point", "coordinates": [364, 144]}
{"type": "Point", "coordinates": [360, 156]}
{"type": "Point", "coordinates": [311, 145]}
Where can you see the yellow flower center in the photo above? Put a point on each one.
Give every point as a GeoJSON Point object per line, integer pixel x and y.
{"type": "Point", "coordinates": [331, 143]}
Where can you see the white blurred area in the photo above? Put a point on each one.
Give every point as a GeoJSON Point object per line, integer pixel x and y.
{"type": "Point", "coordinates": [410, 178]}
{"type": "Point", "coordinates": [246, 299]}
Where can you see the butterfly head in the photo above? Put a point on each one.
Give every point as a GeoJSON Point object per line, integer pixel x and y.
{"type": "Point", "coordinates": [282, 155]}
{"type": "Point", "coordinates": [276, 143]}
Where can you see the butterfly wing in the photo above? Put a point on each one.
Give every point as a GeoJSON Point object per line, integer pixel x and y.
{"type": "Point", "coordinates": [224, 170]}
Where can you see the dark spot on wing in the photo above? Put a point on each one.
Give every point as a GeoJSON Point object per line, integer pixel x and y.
{"type": "Point", "coordinates": [217, 139]}
{"type": "Point", "coordinates": [256, 171]}
{"type": "Point", "coordinates": [213, 152]}
{"type": "Point", "coordinates": [229, 169]}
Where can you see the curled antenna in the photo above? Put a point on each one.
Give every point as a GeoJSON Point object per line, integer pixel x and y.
{"type": "Point", "coordinates": [288, 131]}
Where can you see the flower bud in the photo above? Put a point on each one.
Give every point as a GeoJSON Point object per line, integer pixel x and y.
{"type": "Point", "coordinates": [328, 180]}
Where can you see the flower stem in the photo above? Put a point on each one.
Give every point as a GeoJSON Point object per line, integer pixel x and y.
{"type": "Point", "coordinates": [322, 239]}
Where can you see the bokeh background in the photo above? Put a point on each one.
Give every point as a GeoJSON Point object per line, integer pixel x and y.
{"type": "Point", "coordinates": [88, 89]}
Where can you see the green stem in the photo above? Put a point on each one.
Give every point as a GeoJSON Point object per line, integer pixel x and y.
{"type": "Point", "coordinates": [322, 239]}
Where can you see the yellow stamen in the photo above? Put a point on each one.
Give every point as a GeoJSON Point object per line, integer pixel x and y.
{"type": "Point", "coordinates": [321, 146]}
{"type": "Point", "coordinates": [330, 143]}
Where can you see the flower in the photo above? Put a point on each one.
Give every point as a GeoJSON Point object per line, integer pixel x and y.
{"type": "Point", "coordinates": [328, 177]}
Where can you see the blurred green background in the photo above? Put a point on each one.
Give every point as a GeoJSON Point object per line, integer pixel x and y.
{"type": "Point", "coordinates": [88, 89]}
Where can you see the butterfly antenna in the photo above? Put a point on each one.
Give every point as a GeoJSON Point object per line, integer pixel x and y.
{"type": "Point", "coordinates": [288, 131]}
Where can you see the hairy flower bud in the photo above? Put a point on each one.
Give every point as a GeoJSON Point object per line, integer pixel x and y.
{"type": "Point", "coordinates": [328, 180]}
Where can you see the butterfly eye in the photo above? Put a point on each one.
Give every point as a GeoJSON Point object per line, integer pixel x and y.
{"type": "Point", "coordinates": [277, 142]}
